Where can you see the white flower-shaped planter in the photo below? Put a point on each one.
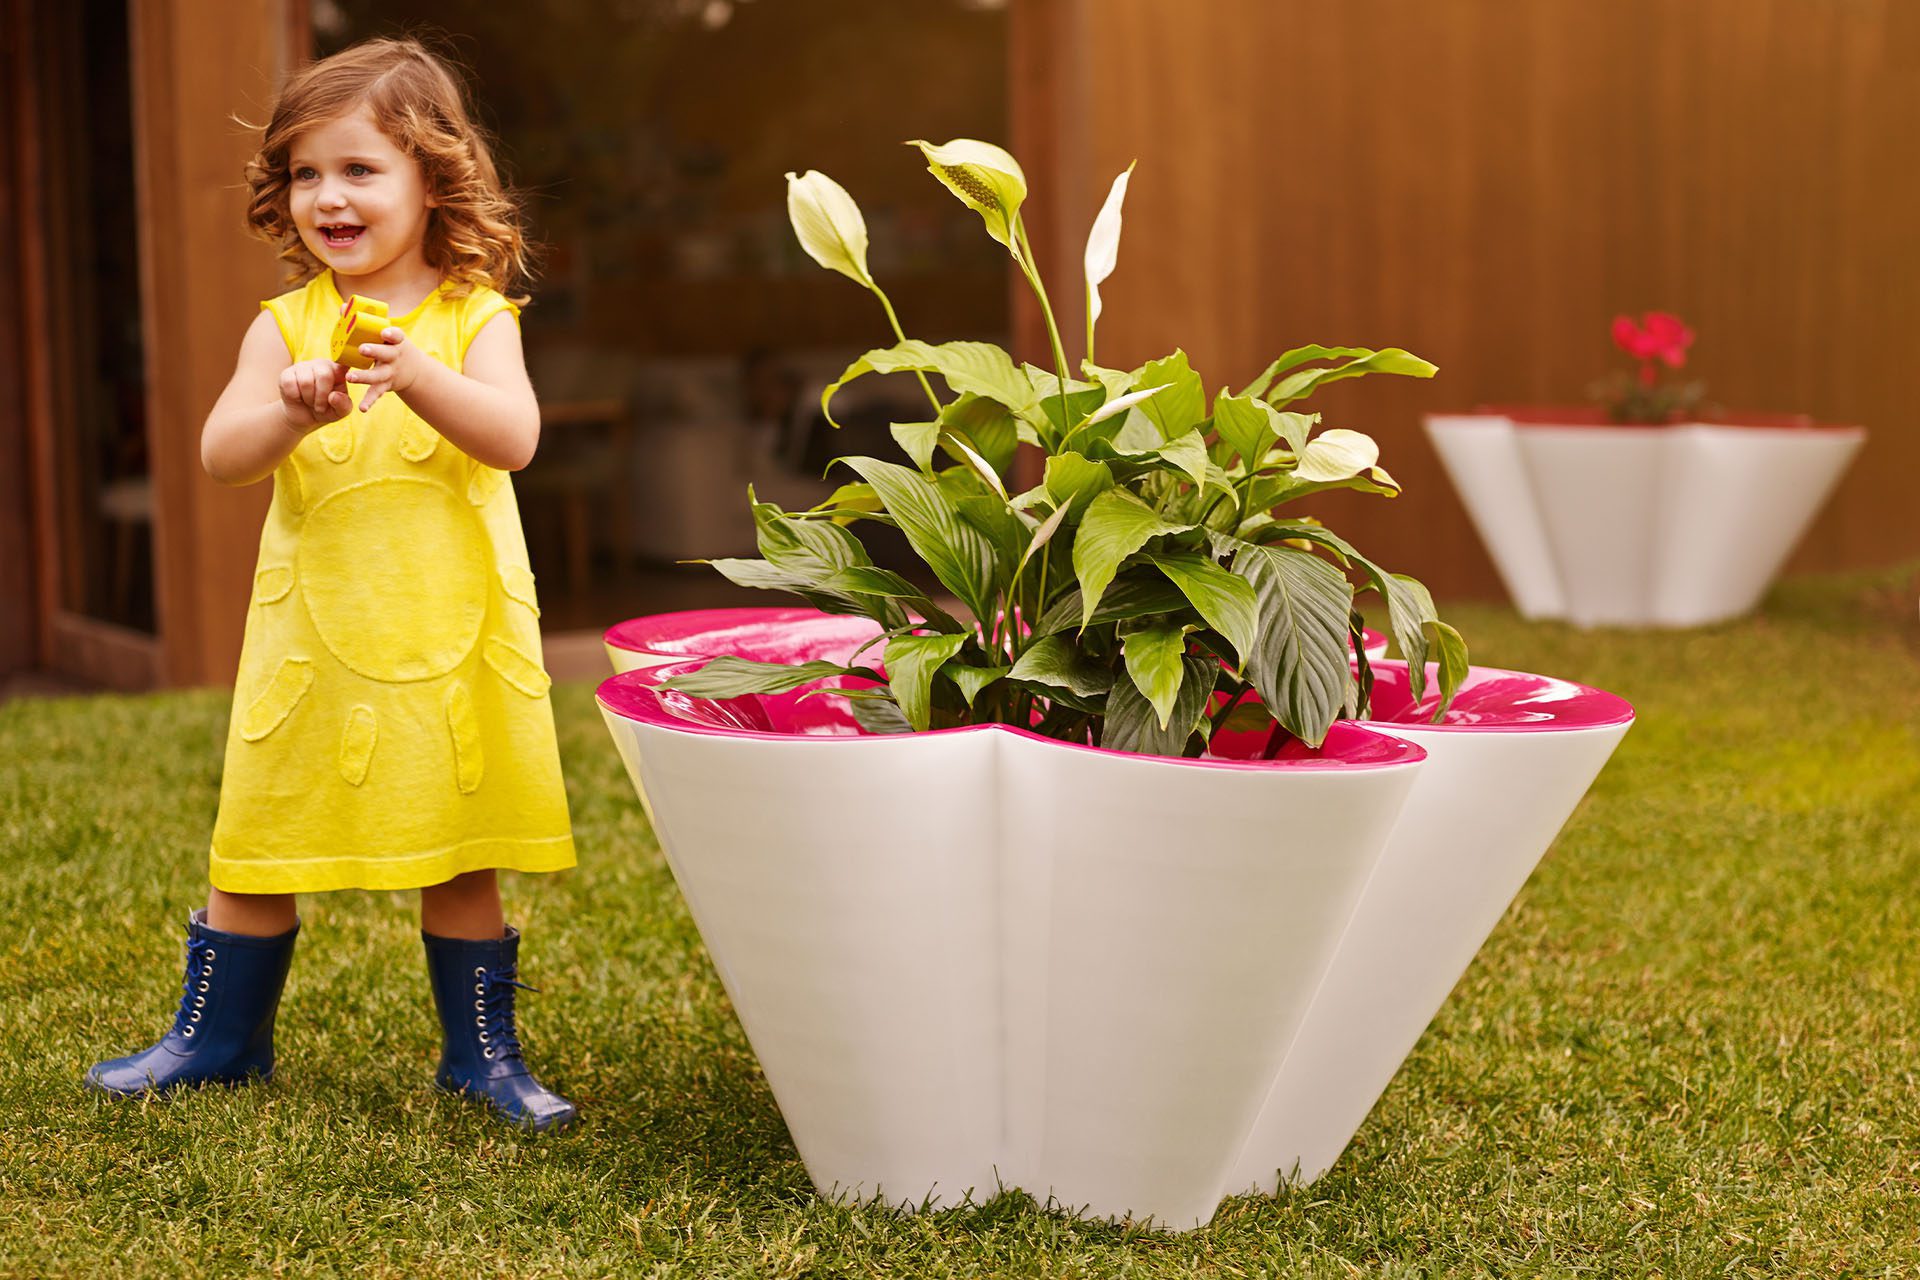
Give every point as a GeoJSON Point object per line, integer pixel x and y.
{"type": "Point", "coordinates": [1608, 525]}
{"type": "Point", "coordinates": [977, 958]}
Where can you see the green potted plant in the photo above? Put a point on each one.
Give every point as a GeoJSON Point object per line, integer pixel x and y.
{"type": "Point", "coordinates": [1039, 889]}
{"type": "Point", "coordinates": [1150, 583]}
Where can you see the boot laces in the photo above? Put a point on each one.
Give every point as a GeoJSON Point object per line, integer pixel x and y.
{"type": "Point", "coordinates": [194, 988]}
{"type": "Point", "coordinates": [494, 1012]}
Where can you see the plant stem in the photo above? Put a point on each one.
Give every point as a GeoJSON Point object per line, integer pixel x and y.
{"type": "Point", "coordinates": [1226, 708]}
{"type": "Point", "coordinates": [1032, 272]}
{"type": "Point", "coordinates": [901, 334]}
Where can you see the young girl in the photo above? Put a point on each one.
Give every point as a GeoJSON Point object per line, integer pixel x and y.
{"type": "Point", "coordinates": [391, 728]}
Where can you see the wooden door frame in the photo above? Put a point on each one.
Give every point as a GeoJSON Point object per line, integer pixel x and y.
{"type": "Point", "coordinates": [67, 642]}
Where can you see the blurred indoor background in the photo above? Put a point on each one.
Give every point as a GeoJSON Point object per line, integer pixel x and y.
{"type": "Point", "coordinates": [1484, 182]}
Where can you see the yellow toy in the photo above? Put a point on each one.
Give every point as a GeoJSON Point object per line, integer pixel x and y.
{"type": "Point", "coordinates": [365, 320]}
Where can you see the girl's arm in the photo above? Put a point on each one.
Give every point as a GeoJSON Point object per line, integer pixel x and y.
{"type": "Point", "coordinates": [268, 407]}
{"type": "Point", "coordinates": [487, 409]}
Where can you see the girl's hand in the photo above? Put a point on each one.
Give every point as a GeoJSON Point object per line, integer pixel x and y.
{"type": "Point", "coordinates": [313, 393]}
{"type": "Point", "coordinates": [396, 364]}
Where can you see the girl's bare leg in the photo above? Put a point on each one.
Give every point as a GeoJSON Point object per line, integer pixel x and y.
{"type": "Point", "coordinates": [466, 906]}
{"type": "Point", "coordinates": [258, 915]}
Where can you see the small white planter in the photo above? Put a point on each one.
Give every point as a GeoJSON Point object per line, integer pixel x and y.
{"type": "Point", "coordinates": [1609, 525]}
{"type": "Point", "coordinates": [977, 958]}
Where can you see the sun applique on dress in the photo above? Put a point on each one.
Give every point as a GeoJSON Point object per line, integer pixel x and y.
{"type": "Point", "coordinates": [391, 724]}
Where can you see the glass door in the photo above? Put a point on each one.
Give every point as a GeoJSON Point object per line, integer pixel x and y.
{"type": "Point", "coordinates": [96, 482]}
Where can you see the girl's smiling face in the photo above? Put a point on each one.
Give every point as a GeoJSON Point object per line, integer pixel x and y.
{"type": "Point", "coordinates": [361, 204]}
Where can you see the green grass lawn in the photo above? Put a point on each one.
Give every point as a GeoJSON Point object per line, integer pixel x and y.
{"type": "Point", "coordinates": [1690, 1049]}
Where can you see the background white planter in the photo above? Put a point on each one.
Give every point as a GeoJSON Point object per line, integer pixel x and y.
{"type": "Point", "coordinates": [1638, 526]}
{"type": "Point", "coordinates": [959, 974]}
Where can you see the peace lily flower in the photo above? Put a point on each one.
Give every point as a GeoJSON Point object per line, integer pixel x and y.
{"type": "Point", "coordinates": [987, 180]}
{"type": "Point", "coordinates": [829, 225]}
{"type": "Point", "coordinates": [1103, 249]}
{"type": "Point", "coordinates": [1339, 454]}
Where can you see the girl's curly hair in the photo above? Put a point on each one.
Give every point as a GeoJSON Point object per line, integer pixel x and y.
{"type": "Point", "coordinates": [474, 234]}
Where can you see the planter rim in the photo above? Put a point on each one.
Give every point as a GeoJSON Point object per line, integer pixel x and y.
{"type": "Point", "coordinates": [636, 695]}
{"type": "Point", "coordinates": [1486, 702]}
{"type": "Point", "coordinates": [646, 633]}
{"type": "Point", "coordinates": [1576, 416]}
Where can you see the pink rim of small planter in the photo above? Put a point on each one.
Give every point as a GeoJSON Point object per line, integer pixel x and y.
{"type": "Point", "coordinates": [1586, 415]}
{"type": "Point", "coordinates": [636, 695]}
{"type": "Point", "coordinates": [776, 634]}
{"type": "Point", "coordinates": [771, 634]}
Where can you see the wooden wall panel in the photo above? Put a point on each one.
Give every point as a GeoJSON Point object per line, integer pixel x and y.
{"type": "Point", "coordinates": [19, 600]}
{"type": "Point", "coordinates": [1487, 183]}
{"type": "Point", "coordinates": [202, 279]}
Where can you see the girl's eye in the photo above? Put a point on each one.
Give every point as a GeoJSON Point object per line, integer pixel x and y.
{"type": "Point", "coordinates": [358, 171]}
{"type": "Point", "coordinates": [304, 174]}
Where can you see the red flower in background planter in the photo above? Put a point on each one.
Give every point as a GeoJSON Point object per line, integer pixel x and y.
{"type": "Point", "coordinates": [1660, 337]}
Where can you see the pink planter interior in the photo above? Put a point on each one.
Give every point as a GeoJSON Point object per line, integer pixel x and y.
{"type": "Point", "coordinates": [637, 695]}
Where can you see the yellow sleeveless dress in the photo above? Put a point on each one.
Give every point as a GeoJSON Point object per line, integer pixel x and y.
{"type": "Point", "coordinates": [391, 727]}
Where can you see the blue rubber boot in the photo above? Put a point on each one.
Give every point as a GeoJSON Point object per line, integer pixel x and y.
{"type": "Point", "coordinates": [223, 1030]}
{"type": "Point", "coordinates": [474, 984]}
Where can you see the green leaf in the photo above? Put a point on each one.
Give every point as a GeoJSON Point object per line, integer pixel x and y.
{"type": "Point", "coordinates": [879, 715]}
{"type": "Point", "coordinates": [1056, 662]}
{"type": "Point", "coordinates": [977, 367]}
{"type": "Point", "coordinates": [1278, 488]}
{"type": "Point", "coordinates": [808, 549]}
{"type": "Point", "coordinates": [1074, 481]}
{"type": "Point", "coordinates": [1299, 385]}
{"type": "Point", "coordinates": [1183, 402]}
{"type": "Point", "coordinates": [733, 677]}
{"type": "Point", "coordinates": [1082, 399]}
{"type": "Point", "coordinates": [1452, 650]}
{"type": "Point", "coordinates": [911, 662]}
{"type": "Point", "coordinates": [992, 514]}
{"type": "Point", "coordinates": [852, 497]}
{"type": "Point", "coordinates": [959, 554]}
{"type": "Point", "coordinates": [1117, 381]}
{"type": "Point", "coordinates": [919, 439]}
{"type": "Point", "coordinates": [1136, 436]}
{"type": "Point", "coordinates": [758, 573]}
{"type": "Point", "coordinates": [971, 680]}
{"type": "Point", "coordinates": [1133, 596]}
{"type": "Point", "coordinates": [1133, 724]}
{"type": "Point", "coordinates": [1224, 598]}
{"type": "Point", "coordinates": [1409, 612]}
{"type": "Point", "coordinates": [987, 427]}
{"type": "Point", "coordinates": [1153, 664]}
{"type": "Point", "coordinates": [871, 580]}
{"type": "Point", "coordinates": [1410, 609]}
{"type": "Point", "coordinates": [1188, 454]}
{"type": "Point", "coordinates": [1300, 665]}
{"type": "Point", "coordinates": [1257, 389]}
{"type": "Point", "coordinates": [1116, 525]}
{"type": "Point", "coordinates": [1246, 425]}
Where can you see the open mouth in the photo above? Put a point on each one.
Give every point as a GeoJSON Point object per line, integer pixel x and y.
{"type": "Point", "coordinates": [340, 235]}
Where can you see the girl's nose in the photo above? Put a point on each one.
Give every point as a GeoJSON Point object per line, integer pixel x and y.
{"type": "Point", "coordinates": [330, 198]}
